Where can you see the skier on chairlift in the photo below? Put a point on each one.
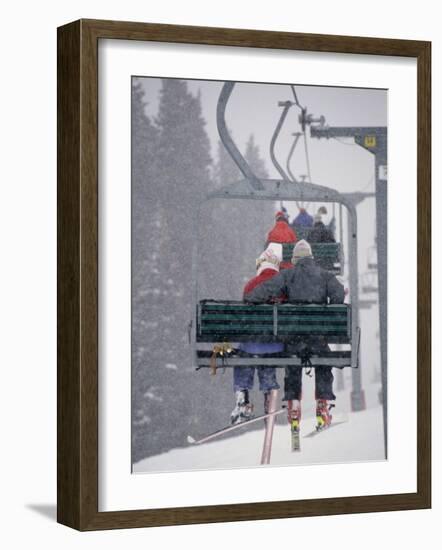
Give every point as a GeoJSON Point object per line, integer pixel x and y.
{"type": "Point", "coordinates": [306, 283]}
{"type": "Point", "coordinates": [267, 266]}
{"type": "Point", "coordinates": [282, 233]}
{"type": "Point", "coordinates": [320, 233]}
{"type": "Point", "coordinates": [303, 219]}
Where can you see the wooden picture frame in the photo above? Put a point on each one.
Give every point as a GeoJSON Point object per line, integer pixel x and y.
{"type": "Point", "coordinates": [78, 274]}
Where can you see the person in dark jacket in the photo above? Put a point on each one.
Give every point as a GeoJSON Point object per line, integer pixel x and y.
{"type": "Point", "coordinates": [320, 233]}
{"type": "Point", "coordinates": [306, 283]}
{"type": "Point", "coordinates": [267, 266]}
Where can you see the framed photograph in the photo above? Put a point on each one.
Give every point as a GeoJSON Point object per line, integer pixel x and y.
{"type": "Point", "coordinates": [244, 235]}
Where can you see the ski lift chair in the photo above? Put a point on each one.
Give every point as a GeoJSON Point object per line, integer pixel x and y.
{"type": "Point", "coordinates": [219, 325]}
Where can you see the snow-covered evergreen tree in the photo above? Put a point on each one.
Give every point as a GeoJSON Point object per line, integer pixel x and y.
{"type": "Point", "coordinates": [171, 169]}
{"type": "Point", "coordinates": [171, 172]}
{"type": "Point", "coordinates": [253, 158]}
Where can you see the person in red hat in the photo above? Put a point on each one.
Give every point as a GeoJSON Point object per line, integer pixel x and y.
{"type": "Point", "coordinates": [282, 233]}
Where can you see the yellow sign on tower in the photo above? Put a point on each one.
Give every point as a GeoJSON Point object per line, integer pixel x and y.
{"type": "Point", "coordinates": [370, 141]}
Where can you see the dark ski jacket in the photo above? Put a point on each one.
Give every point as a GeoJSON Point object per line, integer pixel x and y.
{"type": "Point", "coordinates": [306, 283]}
{"type": "Point", "coordinates": [265, 275]}
{"type": "Point", "coordinates": [320, 234]}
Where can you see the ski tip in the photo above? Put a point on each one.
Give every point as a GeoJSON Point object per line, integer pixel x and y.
{"type": "Point", "coordinates": [190, 440]}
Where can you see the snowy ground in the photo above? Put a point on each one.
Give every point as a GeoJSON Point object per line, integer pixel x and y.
{"type": "Point", "coordinates": [360, 438]}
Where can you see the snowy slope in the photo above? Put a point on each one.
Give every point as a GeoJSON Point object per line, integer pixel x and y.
{"type": "Point", "coordinates": [360, 438]}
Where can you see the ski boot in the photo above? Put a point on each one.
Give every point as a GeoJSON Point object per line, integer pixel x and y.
{"type": "Point", "coordinates": [243, 410]}
{"type": "Point", "coordinates": [294, 418]}
{"type": "Point", "coordinates": [323, 415]}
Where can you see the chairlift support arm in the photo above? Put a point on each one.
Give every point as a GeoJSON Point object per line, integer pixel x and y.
{"type": "Point", "coordinates": [286, 107]}
{"type": "Point", "coordinates": [228, 142]}
{"type": "Point", "coordinates": [296, 135]}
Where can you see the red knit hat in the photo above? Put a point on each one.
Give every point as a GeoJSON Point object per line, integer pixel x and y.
{"type": "Point", "coordinates": [281, 214]}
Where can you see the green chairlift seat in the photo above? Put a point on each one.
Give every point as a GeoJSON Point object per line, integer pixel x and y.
{"type": "Point", "coordinates": [230, 322]}
{"type": "Point", "coordinates": [301, 232]}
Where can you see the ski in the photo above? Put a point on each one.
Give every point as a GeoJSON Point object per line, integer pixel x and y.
{"type": "Point", "coordinates": [270, 407]}
{"type": "Point", "coordinates": [294, 430]}
{"type": "Point", "coordinates": [332, 425]}
{"type": "Point", "coordinates": [230, 428]}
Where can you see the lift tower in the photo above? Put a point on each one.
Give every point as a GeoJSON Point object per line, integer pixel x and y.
{"type": "Point", "coordinates": [374, 140]}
